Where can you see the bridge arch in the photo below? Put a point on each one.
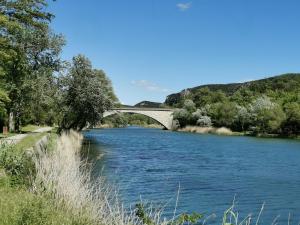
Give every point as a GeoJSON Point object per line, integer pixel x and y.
{"type": "Point", "coordinates": [162, 116]}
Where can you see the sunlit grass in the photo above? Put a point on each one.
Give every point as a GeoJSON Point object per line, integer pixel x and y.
{"type": "Point", "coordinates": [29, 141]}
{"type": "Point", "coordinates": [7, 135]}
{"type": "Point", "coordinates": [29, 128]}
{"type": "Point", "coordinates": [19, 206]}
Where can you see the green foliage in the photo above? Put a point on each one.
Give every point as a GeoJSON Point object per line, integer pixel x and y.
{"type": "Point", "coordinates": [183, 116]}
{"type": "Point", "coordinates": [29, 64]}
{"type": "Point", "coordinates": [241, 93]}
{"type": "Point", "coordinates": [87, 93]}
{"type": "Point", "coordinates": [242, 118]}
{"type": "Point", "coordinates": [17, 160]}
{"type": "Point", "coordinates": [141, 213]}
{"type": "Point", "coordinates": [183, 218]}
{"type": "Point", "coordinates": [29, 128]}
{"type": "Point", "coordinates": [292, 123]}
{"type": "Point", "coordinates": [148, 104]}
{"type": "Point", "coordinates": [29, 54]}
{"type": "Point", "coordinates": [140, 120]}
{"type": "Point", "coordinates": [17, 165]}
{"type": "Point", "coordinates": [18, 206]}
{"type": "Point", "coordinates": [223, 114]}
{"type": "Point", "coordinates": [116, 120]}
{"type": "Point", "coordinates": [267, 116]}
{"type": "Point", "coordinates": [268, 106]}
{"type": "Point", "coordinates": [4, 100]}
{"type": "Point", "coordinates": [125, 119]}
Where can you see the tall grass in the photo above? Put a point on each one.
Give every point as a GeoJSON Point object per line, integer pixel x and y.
{"type": "Point", "coordinates": [207, 130]}
{"type": "Point", "coordinates": [65, 177]}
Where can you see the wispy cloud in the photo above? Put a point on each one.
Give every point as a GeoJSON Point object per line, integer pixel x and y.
{"type": "Point", "coordinates": [149, 86]}
{"type": "Point", "coordinates": [184, 6]}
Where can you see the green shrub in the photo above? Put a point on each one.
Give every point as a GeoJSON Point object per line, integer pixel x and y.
{"type": "Point", "coordinates": [20, 207]}
{"type": "Point", "coordinates": [17, 164]}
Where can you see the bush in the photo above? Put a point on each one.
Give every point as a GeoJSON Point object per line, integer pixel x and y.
{"type": "Point", "coordinates": [204, 121]}
{"type": "Point", "coordinates": [17, 164]}
{"type": "Point", "coordinates": [19, 206]}
{"type": "Point", "coordinates": [292, 123]}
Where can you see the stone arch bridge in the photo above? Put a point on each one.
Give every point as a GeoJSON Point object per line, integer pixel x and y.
{"type": "Point", "coordinates": [161, 115]}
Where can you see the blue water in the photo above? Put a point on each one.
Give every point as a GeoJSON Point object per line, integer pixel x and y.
{"type": "Point", "coordinates": [209, 171]}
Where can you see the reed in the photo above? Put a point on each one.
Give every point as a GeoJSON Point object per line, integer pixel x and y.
{"type": "Point", "coordinates": [64, 176]}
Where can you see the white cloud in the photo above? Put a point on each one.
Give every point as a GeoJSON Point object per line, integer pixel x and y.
{"type": "Point", "coordinates": [184, 6]}
{"type": "Point", "coordinates": [149, 86]}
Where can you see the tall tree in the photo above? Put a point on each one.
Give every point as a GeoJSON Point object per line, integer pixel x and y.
{"type": "Point", "coordinates": [87, 93]}
{"type": "Point", "coordinates": [29, 49]}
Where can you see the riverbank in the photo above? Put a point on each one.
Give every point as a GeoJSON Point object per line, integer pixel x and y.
{"type": "Point", "coordinates": [228, 132]}
{"type": "Point", "coordinates": [25, 197]}
{"type": "Point", "coordinates": [45, 181]}
{"type": "Point", "coordinates": [105, 126]}
{"type": "Point", "coordinates": [207, 130]}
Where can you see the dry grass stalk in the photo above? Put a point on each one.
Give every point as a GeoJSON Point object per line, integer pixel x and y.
{"type": "Point", "coordinates": [65, 177]}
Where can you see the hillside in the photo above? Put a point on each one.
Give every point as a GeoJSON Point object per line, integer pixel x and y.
{"type": "Point", "coordinates": [286, 82]}
{"type": "Point", "coordinates": [148, 104]}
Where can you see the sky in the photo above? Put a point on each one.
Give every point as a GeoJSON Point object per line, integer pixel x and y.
{"type": "Point", "coordinates": [152, 48]}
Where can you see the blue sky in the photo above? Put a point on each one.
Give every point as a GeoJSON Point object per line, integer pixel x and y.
{"type": "Point", "coordinates": [151, 48]}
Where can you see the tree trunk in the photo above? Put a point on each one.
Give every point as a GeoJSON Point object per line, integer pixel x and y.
{"type": "Point", "coordinates": [17, 122]}
{"type": "Point", "coordinates": [11, 123]}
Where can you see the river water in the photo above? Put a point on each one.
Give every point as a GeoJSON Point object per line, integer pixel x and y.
{"type": "Point", "coordinates": [208, 171]}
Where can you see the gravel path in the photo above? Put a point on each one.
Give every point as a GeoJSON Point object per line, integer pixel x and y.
{"type": "Point", "coordinates": [16, 138]}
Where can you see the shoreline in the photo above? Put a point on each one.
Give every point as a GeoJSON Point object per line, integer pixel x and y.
{"type": "Point", "coordinates": [108, 126]}
{"type": "Point", "coordinates": [207, 130]}
{"type": "Point", "coordinates": [227, 132]}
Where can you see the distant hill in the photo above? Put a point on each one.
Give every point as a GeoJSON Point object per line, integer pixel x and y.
{"type": "Point", "coordinates": [148, 104]}
{"type": "Point", "coordinates": [285, 82]}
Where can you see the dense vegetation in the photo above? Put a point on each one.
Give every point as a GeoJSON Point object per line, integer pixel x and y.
{"type": "Point", "coordinates": [125, 119]}
{"type": "Point", "coordinates": [36, 86]}
{"type": "Point", "coordinates": [148, 104]}
{"type": "Point", "coordinates": [268, 106]}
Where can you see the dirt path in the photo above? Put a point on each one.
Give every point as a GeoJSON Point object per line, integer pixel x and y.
{"type": "Point", "coordinates": [17, 138]}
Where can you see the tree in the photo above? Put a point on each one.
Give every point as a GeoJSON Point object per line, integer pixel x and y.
{"type": "Point", "coordinates": [4, 100]}
{"type": "Point", "coordinates": [202, 97]}
{"type": "Point", "coordinates": [242, 118]}
{"type": "Point", "coordinates": [204, 121]}
{"type": "Point", "coordinates": [223, 114]}
{"type": "Point", "coordinates": [292, 123]}
{"type": "Point", "coordinates": [182, 116]}
{"type": "Point", "coordinates": [86, 95]}
{"type": "Point", "coordinates": [28, 50]}
{"type": "Point", "coordinates": [189, 105]}
{"type": "Point", "coordinates": [267, 117]}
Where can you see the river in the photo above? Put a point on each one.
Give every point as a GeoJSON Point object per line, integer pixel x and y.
{"type": "Point", "coordinates": [208, 171]}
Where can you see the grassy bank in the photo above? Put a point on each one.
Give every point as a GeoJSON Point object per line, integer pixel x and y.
{"type": "Point", "coordinates": [29, 128]}
{"type": "Point", "coordinates": [20, 203]}
{"type": "Point", "coordinates": [52, 185]}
